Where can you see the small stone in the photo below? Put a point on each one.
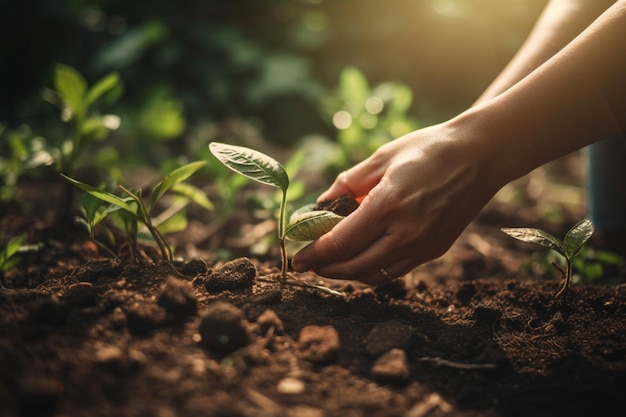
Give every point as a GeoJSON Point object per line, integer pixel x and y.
{"type": "Point", "coordinates": [194, 267]}
{"type": "Point", "coordinates": [233, 275]}
{"type": "Point", "coordinates": [392, 367]}
{"type": "Point", "coordinates": [223, 328]}
{"type": "Point", "coordinates": [290, 386]}
{"type": "Point", "coordinates": [269, 320]}
{"type": "Point", "coordinates": [319, 344]}
{"type": "Point", "coordinates": [178, 298]}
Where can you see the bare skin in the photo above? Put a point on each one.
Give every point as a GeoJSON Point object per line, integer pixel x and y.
{"type": "Point", "coordinates": [421, 190]}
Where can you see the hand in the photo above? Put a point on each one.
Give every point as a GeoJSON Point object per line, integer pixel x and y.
{"type": "Point", "coordinates": [421, 191]}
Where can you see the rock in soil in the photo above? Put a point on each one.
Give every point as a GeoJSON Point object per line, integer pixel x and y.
{"type": "Point", "coordinates": [319, 344]}
{"type": "Point", "coordinates": [392, 367]}
{"type": "Point", "coordinates": [223, 329]}
{"type": "Point", "coordinates": [233, 275]}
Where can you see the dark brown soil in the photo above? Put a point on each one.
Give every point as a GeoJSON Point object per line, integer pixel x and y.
{"type": "Point", "coordinates": [472, 334]}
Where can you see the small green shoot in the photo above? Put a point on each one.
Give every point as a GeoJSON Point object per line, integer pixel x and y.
{"type": "Point", "coordinates": [9, 253]}
{"type": "Point", "coordinates": [135, 210]}
{"type": "Point", "coordinates": [569, 247]}
{"type": "Point", "coordinates": [304, 223]}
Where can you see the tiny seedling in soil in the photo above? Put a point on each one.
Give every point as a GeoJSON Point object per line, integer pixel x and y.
{"type": "Point", "coordinates": [304, 224]}
{"type": "Point", "coordinates": [79, 103]}
{"type": "Point", "coordinates": [136, 210]}
{"type": "Point", "coordinates": [569, 247]}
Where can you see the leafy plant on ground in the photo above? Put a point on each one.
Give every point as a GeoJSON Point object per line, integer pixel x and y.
{"type": "Point", "coordinates": [79, 105]}
{"type": "Point", "coordinates": [304, 224]}
{"type": "Point", "coordinates": [9, 253]}
{"type": "Point", "coordinates": [569, 247]}
{"type": "Point", "coordinates": [20, 151]}
{"type": "Point", "coordinates": [135, 210]}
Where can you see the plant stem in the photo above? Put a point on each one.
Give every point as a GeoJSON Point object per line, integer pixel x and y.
{"type": "Point", "coordinates": [281, 235]}
{"type": "Point", "coordinates": [568, 278]}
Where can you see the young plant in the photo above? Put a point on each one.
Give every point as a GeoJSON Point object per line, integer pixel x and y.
{"type": "Point", "coordinates": [304, 223]}
{"type": "Point", "coordinates": [9, 254]}
{"type": "Point", "coordinates": [136, 210]}
{"type": "Point", "coordinates": [79, 103]}
{"type": "Point", "coordinates": [569, 247]}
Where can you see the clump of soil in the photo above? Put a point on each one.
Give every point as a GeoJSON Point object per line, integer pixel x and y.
{"type": "Point", "coordinates": [467, 336]}
{"type": "Point", "coordinates": [343, 205]}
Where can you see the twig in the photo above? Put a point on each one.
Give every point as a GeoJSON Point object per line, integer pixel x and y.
{"type": "Point", "coordinates": [295, 282]}
{"type": "Point", "coordinates": [437, 361]}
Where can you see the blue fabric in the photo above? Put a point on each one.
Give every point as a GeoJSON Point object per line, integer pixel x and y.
{"type": "Point", "coordinates": [606, 183]}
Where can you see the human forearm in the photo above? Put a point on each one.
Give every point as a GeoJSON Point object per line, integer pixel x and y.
{"type": "Point", "coordinates": [560, 22]}
{"type": "Point", "coordinates": [576, 98]}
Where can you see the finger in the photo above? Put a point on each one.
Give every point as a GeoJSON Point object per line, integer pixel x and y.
{"type": "Point", "coordinates": [345, 241]}
{"type": "Point", "coordinates": [357, 181]}
{"type": "Point", "coordinates": [378, 264]}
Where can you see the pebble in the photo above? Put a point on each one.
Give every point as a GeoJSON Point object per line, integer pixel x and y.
{"type": "Point", "coordinates": [391, 367]}
{"type": "Point", "coordinates": [291, 386]}
{"type": "Point", "coordinates": [319, 344]}
{"type": "Point", "coordinates": [223, 328]}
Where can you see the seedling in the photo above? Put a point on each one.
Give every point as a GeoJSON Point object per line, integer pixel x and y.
{"type": "Point", "coordinates": [569, 247]}
{"type": "Point", "coordinates": [135, 210]}
{"type": "Point", "coordinates": [304, 223]}
{"type": "Point", "coordinates": [84, 124]}
{"type": "Point", "coordinates": [9, 253]}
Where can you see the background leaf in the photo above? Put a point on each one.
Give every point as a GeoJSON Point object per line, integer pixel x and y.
{"type": "Point", "coordinates": [252, 164]}
{"type": "Point", "coordinates": [71, 86]}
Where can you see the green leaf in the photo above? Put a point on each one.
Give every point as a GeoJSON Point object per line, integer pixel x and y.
{"type": "Point", "coordinates": [194, 194]}
{"type": "Point", "coordinates": [173, 178]}
{"type": "Point", "coordinates": [354, 89]}
{"type": "Point", "coordinates": [252, 164]}
{"type": "Point", "coordinates": [103, 195]}
{"type": "Point", "coordinates": [9, 251]}
{"type": "Point", "coordinates": [306, 224]}
{"type": "Point", "coordinates": [175, 223]}
{"type": "Point", "coordinates": [537, 236]}
{"type": "Point", "coordinates": [577, 236]}
{"type": "Point", "coordinates": [71, 87]}
{"type": "Point", "coordinates": [102, 87]}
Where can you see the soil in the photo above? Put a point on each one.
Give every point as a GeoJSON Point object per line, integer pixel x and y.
{"type": "Point", "coordinates": [475, 333]}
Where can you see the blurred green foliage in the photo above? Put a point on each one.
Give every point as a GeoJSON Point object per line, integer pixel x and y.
{"type": "Point", "coordinates": [191, 62]}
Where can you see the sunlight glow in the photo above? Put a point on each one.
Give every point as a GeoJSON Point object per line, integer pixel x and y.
{"type": "Point", "coordinates": [374, 105]}
{"type": "Point", "coordinates": [448, 8]}
{"type": "Point", "coordinates": [342, 119]}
